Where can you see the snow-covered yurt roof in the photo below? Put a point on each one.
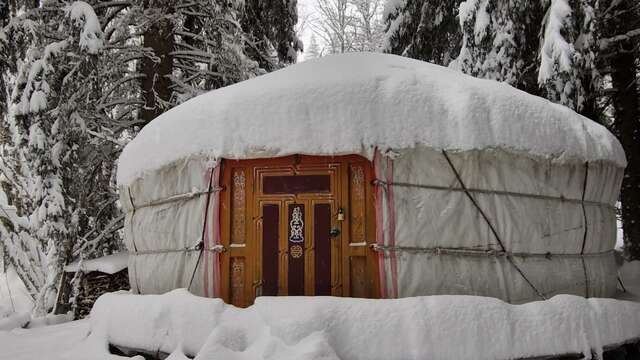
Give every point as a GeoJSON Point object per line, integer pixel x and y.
{"type": "Point", "coordinates": [352, 103]}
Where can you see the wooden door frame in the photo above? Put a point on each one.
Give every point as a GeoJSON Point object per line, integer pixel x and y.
{"type": "Point", "coordinates": [252, 248]}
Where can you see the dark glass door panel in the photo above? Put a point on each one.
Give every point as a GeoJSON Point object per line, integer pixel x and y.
{"type": "Point", "coordinates": [296, 184]}
{"type": "Point", "coordinates": [270, 226]}
{"type": "Point", "coordinates": [322, 245]}
{"type": "Point", "coordinates": [295, 244]}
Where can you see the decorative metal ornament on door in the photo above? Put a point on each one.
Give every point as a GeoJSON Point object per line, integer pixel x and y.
{"type": "Point", "coordinates": [296, 251]}
{"type": "Point", "coordinates": [296, 226]}
{"type": "Point", "coordinates": [296, 263]}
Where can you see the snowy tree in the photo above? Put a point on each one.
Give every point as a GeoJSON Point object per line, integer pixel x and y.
{"type": "Point", "coordinates": [546, 48]}
{"type": "Point", "coordinates": [334, 25]}
{"type": "Point", "coordinates": [500, 41]}
{"type": "Point", "coordinates": [314, 51]}
{"type": "Point", "coordinates": [368, 28]}
{"type": "Point", "coordinates": [82, 78]}
{"type": "Point", "coordinates": [567, 71]}
{"type": "Point", "coordinates": [47, 138]}
{"type": "Point", "coordinates": [423, 29]}
{"type": "Point", "coordinates": [271, 38]}
{"type": "Point", "coordinates": [203, 45]}
{"type": "Point", "coordinates": [348, 25]}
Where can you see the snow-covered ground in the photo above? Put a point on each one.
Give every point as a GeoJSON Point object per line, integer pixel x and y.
{"type": "Point", "coordinates": [15, 302]}
{"type": "Point", "coordinates": [49, 342]}
{"type": "Point", "coordinates": [434, 327]}
{"type": "Point", "coordinates": [630, 275]}
{"type": "Point", "coordinates": [13, 294]}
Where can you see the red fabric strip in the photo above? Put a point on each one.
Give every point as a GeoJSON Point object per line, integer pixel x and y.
{"type": "Point", "coordinates": [215, 207]}
{"type": "Point", "coordinates": [392, 229]}
{"type": "Point", "coordinates": [205, 241]}
{"type": "Point", "coordinates": [379, 225]}
{"type": "Point", "coordinates": [211, 265]}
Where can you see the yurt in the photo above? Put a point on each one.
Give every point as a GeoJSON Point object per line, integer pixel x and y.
{"type": "Point", "coordinates": [371, 175]}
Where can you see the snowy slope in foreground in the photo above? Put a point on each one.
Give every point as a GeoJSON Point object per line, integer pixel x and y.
{"type": "Point", "coordinates": [351, 103]}
{"type": "Point", "coordinates": [49, 342]}
{"type": "Point", "coordinates": [433, 327]}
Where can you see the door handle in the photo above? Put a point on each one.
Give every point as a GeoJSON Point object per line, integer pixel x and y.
{"type": "Point", "coordinates": [257, 288]}
{"type": "Point", "coordinates": [334, 232]}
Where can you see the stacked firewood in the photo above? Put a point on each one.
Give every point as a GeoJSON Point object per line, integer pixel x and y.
{"type": "Point", "coordinates": [94, 284]}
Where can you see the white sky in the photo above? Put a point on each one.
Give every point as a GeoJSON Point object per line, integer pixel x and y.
{"type": "Point", "coordinates": [306, 7]}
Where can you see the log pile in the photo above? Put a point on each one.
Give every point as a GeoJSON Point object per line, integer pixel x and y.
{"type": "Point", "coordinates": [94, 284]}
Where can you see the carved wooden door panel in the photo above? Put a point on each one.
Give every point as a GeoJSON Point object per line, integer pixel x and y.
{"type": "Point", "coordinates": [298, 226]}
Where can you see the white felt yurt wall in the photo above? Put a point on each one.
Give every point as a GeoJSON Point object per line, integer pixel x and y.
{"type": "Point", "coordinates": [552, 241]}
{"type": "Point", "coordinates": [164, 223]}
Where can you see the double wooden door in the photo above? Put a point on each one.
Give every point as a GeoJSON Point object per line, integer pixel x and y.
{"type": "Point", "coordinates": [297, 225]}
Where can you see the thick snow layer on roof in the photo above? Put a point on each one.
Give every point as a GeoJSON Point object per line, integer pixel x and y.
{"type": "Point", "coordinates": [354, 102]}
{"type": "Point", "coordinates": [430, 327]}
{"type": "Point", "coordinates": [109, 264]}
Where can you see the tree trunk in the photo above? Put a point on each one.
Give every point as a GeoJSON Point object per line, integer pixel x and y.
{"type": "Point", "coordinates": [158, 66]}
{"type": "Point", "coordinates": [627, 123]}
{"type": "Point", "coordinates": [622, 61]}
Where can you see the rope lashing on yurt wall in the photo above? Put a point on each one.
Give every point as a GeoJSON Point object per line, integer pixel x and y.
{"type": "Point", "coordinates": [483, 253]}
{"type": "Point", "coordinates": [586, 230]}
{"type": "Point", "coordinates": [197, 247]}
{"type": "Point", "coordinates": [132, 267]}
{"type": "Point", "coordinates": [491, 227]}
{"type": "Point", "coordinates": [133, 212]}
{"type": "Point", "coordinates": [179, 197]}
{"type": "Point", "coordinates": [499, 192]}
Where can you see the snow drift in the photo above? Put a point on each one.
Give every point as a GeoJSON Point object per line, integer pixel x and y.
{"type": "Point", "coordinates": [432, 327]}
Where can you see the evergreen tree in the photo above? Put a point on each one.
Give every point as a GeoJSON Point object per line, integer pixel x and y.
{"type": "Point", "coordinates": [500, 41]}
{"type": "Point", "coordinates": [47, 137]}
{"type": "Point", "coordinates": [79, 88]}
{"type": "Point", "coordinates": [202, 45]}
{"type": "Point", "coordinates": [619, 60]}
{"type": "Point", "coordinates": [269, 26]}
{"type": "Point", "coordinates": [423, 29]}
{"type": "Point", "coordinates": [314, 50]}
{"type": "Point", "coordinates": [567, 70]}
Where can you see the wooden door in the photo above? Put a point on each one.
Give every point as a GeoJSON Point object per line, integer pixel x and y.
{"type": "Point", "coordinates": [297, 225]}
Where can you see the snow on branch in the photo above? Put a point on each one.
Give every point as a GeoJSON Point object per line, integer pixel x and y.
{"type": "Point", "coordinates": [606, 43]}
{"type": "Point", "coordinates": [555, 47]}
{"type": "Point", "coordinates": [91, 37]}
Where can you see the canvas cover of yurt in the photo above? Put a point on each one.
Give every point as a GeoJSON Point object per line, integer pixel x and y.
{"type": "Point", "coordinates": [371, 175]}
